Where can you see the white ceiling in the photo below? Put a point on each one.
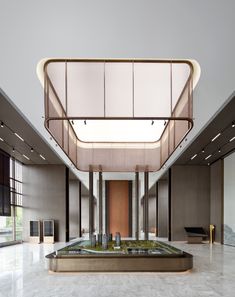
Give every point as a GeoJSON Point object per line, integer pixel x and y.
{"type": "Point", "coordinates": [31, 30]}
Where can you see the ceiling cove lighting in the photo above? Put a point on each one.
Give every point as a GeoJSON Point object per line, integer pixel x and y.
{"type": "Point", "coordinates": [232, 139]}
{"type": "Point", "coordinates": [213, 139]}
{"type": "Point", "coordinates": [42, 157]}
{"type": "Point", "coordinates": [17, 135]}
{"type": "Point", "coordinates": [1, 139]}
{"type": "Point", "coordinates": [26, 157]}
{"type": "Point", "coordinates": [208, 157]}
{"type": "Point", "coordinates": [193, 157]}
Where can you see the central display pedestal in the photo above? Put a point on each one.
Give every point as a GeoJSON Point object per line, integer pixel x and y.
{"type": "Point", "coordinates": [132, 257]}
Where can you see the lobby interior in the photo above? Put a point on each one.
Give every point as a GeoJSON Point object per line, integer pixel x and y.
{"type": "Point", "coordinates": [60, 163]}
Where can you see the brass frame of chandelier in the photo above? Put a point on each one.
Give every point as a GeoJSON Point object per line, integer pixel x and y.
{"type": "Point", "coordinates": [120, 156]}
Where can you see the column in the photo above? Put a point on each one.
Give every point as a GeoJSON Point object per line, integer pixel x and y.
{"type": "Point", "coordinates": [66, 204]}
{"type": "Point", "coordinates": [137, 205]}
{"type": "Point", "coordinates": [146, 205]}
{"type": "Point", "coordinates": [80, 209]}
{"type": "Point", "coordinates": [156, 188]}
{"type": "Point", "coordinates": [91, 204]}
{"type": "Point", "coordinates": [100, 203]}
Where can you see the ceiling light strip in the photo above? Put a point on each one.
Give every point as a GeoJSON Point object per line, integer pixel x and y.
{"type": "Point", "coordinates": [193, 157]}
{"type": "Point", "coordinates": [232, 139]}
{"type": "Point", "coordinates": [17, 135]}
{"type": "Point", "coordinates": [26, 157]}
{"type": "Point", "coordinates": [213, 139]}
{"type": "Point", "coordinates": [208, 157]}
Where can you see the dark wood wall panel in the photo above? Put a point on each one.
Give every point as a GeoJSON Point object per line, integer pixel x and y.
{"type": "Point", "coordinates": [118, 207]}
{"type": "Point", "coordinates": [216, 198]}
{"type": "Point", "coordinates": [190, 199]}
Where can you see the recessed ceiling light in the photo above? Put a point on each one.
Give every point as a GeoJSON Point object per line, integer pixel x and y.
{"type": "Point", "coordinates": [232, 139]}
{"type": "Point", "coordinates": [84, 122]}
{"type": "Point", "coordinates": [208, 157]}
{"type": "Point", "coordinates": [42, 157]}
{"type": "Point", "coordinates": [26, 157]}
{"type": "Point", "coordinates": [208, 164]}
{"type": "Point", "coordinates": [152, 122]}
{"type": "Point", "coordinates": [13, 150]}
{"type": "Point", "coordinates": [219, 151]}
{"type": "Point", "coordinates": [2, 124]}
{"type": "Point", "coordinates": [203, 151]}
{"type": "Point", "coordinates": [17, 135]}
{"type": "Point", "coordinates": [72, 122]}
{"type": "Point", "coordinates": [1, 139]}
{"type": "Point", "coordinates": [213, 139]}
{"type": "Point", "coordinates": [233, 125]}
{"type": "Point", "coordinates": [194, 156]}
{"type": "Point", "coordinates": [31, 150]}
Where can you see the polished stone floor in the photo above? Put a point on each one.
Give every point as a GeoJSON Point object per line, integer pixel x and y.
{"type": "Point", "coordinates": [23, 273]}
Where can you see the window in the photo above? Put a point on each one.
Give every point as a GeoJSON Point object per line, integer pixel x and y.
{"type": "Point", "coordinates": [11, 226]}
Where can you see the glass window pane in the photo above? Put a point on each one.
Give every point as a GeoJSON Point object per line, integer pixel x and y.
{"type": "Point", "coordinates": [6, 229]}
{"type": "Point", "coordinates": [18, 223]}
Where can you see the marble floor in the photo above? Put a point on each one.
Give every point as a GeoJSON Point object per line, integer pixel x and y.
{"type": "Point", "coordinates": [23, 273]}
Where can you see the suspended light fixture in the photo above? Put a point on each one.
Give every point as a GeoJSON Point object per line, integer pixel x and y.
{"type": "Point", "coordinates": [115, 91]}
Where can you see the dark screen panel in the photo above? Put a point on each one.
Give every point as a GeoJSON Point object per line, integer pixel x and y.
{"type": "Point", "coordinates": [34, 228]}
{"type": "Point", "coordinates": [48, 228]}
{"type": "Point", "coordinates": [5, 203]}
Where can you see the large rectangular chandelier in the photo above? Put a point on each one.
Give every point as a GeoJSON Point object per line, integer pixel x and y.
{"type": "Point", "coordinates": [118, 115]}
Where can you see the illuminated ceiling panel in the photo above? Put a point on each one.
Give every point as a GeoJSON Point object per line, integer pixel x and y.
{"type": "Point", "coordinates": [118, 130]}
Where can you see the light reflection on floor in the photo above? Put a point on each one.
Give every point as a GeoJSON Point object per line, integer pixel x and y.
{"type": "Point", "coordinates": [23, 273]}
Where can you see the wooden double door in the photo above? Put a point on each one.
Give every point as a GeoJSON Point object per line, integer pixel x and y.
{"type": "Point", "coordinates": [119, 207]}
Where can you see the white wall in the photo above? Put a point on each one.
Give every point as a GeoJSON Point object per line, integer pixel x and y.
{"type": "Point", "coordinates": [229, 199]}
{"type": "Point", "coordinates": [31, 30]}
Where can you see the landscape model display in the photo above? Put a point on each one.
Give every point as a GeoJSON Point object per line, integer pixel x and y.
{"type": "Point", "coordinates": [119, 256]}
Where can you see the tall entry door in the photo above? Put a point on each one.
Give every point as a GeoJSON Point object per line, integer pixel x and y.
{"type": "Point", "coordinates": [119, 207]}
